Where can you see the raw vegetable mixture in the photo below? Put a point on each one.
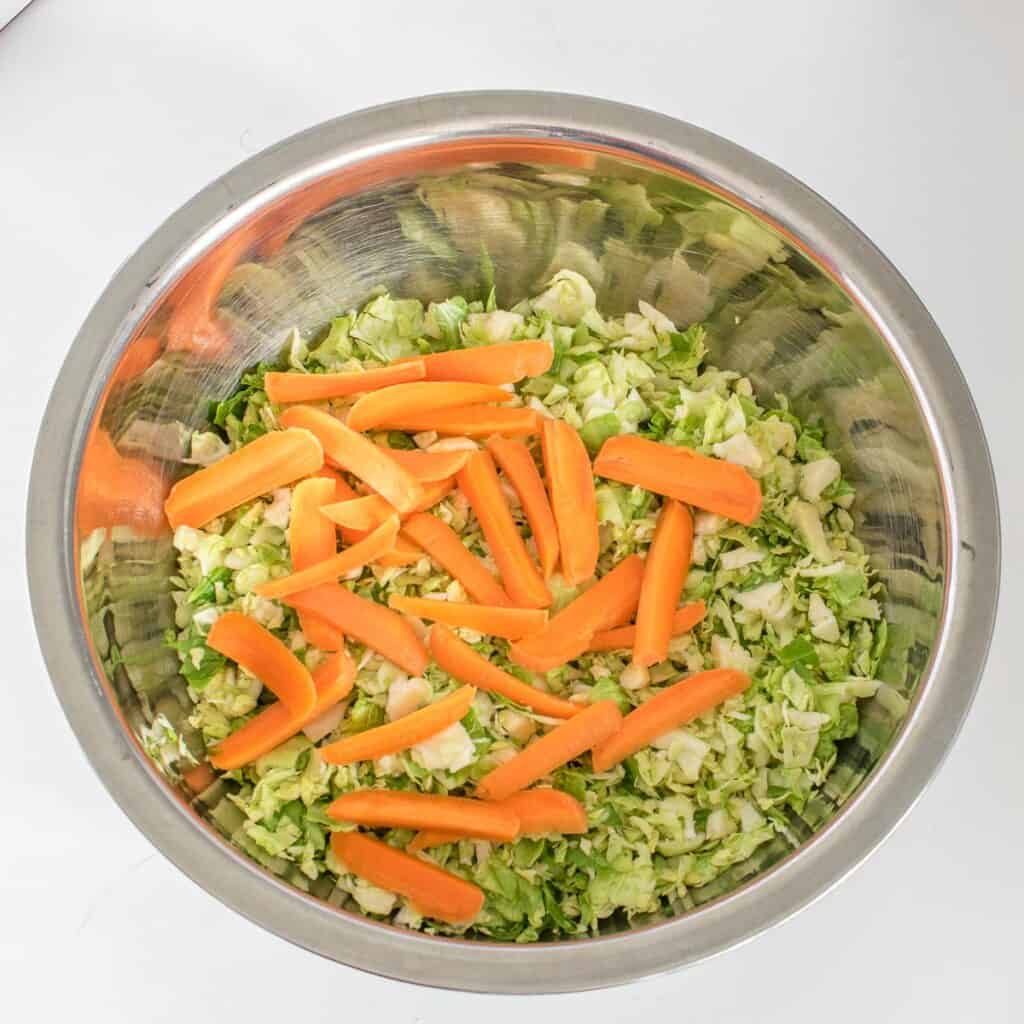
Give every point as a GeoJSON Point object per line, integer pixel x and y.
{"type": "Point", "coordinates": [512, 621]}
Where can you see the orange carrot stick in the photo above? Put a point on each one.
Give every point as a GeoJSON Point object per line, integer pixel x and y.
{"type": "Point", "coordinates": [517, 464]}
{"type": "Point", "coordinates": [318, 387]}
{"type": "Point", "coordinates": [573, 499]}
{"type": "Point", "coordinates": [403, 733]}
{"type": "Point", "coordinates": [461, 662]}
{"type": "Point", "coordinates": [445, 547]}
{"type": "Point", "coordinates": [403, 552]}
{"type": "Point", "coordinates": [502, 363]}
{"type": "Point", "coordinates": [470, 421]}
{"type": "Point", "coordinates": [261, 654]}
{"type": "Point", "coordinates": [273, 460]}
{"type": "Point", "coordinates": [698, 480]}
{"type": "Point", "coordinates": [611, 600]}
{"type": "Point", "coordinates": [564, 743]}
{"type": "Point", "coordinates": [370, 623]}
{"type": "Point", "coordinates": [433, 891]}
{"type": "Point", "coordinates": [672, 707]}
{"type": "Point", "coordinates": [356, 455]}
{"type": "Point", "coordinates": [383, 808]}
{"type": "Point", "coordinates": [342, 491]}
{"type": "Point", "coordinates": [201, 777]}
{"type": "Point", "coordinates": [623, 637]}
{"type": "Point", "coordinates": [333, 568]}
{"type": "Point", "coordinates": [491, 620]}
{"type": "Point", "coordinates": [364, 513]}
{"type": "Point", "coordinates": [333, 681]}
{"type": "Point", "coordinates": [402, 400]}
{"type": "Point", "coordinates": [478, 481]}
{"type": "Point", "coordinates": [430, 467]}
{"type": "Point", "coordinates": [665, 571]}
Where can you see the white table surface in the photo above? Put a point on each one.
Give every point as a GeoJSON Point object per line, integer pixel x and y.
{"type": "Point", "coordinates": [906, 115]}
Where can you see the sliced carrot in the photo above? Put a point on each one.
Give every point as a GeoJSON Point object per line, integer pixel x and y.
{"type": "Point", "coordinates": [403, 733]}
{"type": "Point", "coordinates": [332, 680]}
{"type": "Point", "coordinates": [680, 473]}
{"type": "Point", "coordinates": [403, 552]}
{"type": "Point", "coordinates": [383, 808]}
{"type": "Point", "coordinates": [261, 654]}
{"type": "Point", "coordinates": [364, 513]}
{"type": "Point", "coordinates": [564, 743]}
{"type": "Point", "coordinates": [502, 363]}
{"type": "Point", "coordinates": [284, 388]}
{"type": "Point", "coordinates": [342, 491]}
{"type": "Point", "coordinates": [370, 623]}
{"type": "Point", "coordinates": [445, 547]}
{"type": "Point", "coordinates": [201, 777]}
{"type": "Point", "coordinates": [610, 601]}
{"type": "Point", "coordinates": [672, 707]}
{"type": "Point", "coordinates": [461, 662]}
{"type": "Point", "coordinates": [471, 421]}
{"type": "Point", "coordinates": [665, 572]}
{"type": "Point", "coordinates": [430, 467]}
{"type": "Point", "coordinates": [330, 569]}
{"type": "Point", "coordinates": [433, 891]}
{"type": "Point", "coordinates": [573, 499]}
{"type": "Point", "coordinates": [491, 620]}
{"type": "Point", "coordinates": [683, 620]}
{"type": "Point", "coordinates": [357, 455]}
{"type": "Point", "coordinates": [478, 481]}
{"type": "Point", "coordinates": [377, 408]}
{"type": "Point", "coordinates": [517, 464]}
{"type": "Point", "coordinates": [273, 460]}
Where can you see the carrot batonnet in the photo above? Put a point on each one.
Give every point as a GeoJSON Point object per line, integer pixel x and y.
{"type": "Point", "coordinates": [672, 707]}
{"type": "Point", "coordinates": [680, 473]}
{"type": "Point", "coordinates": [370, 623]}
{"type": "Point", "coordinates": [478, 481]}
{"type": "Point", "coordinates": [445, 547]}
{"type": "Point", "coordinates": [501, 363]}
{"type": "Point", "coordinates": [200, 777]}
{"type": "Point", "coordinates": [573, 499]}
{"type": "Point", "coordinates": [401, 400]}
{"type": "Point", "coordinates": [270, 728]}
{"type": "Point", "coordinates": [563, 744]}
{"type": "Point", "coordinates": [273, 460]}
{"type": "Point", "coordinates": [261, 654]}
{"type": "Point", "coordinates": [433, 891]}
{"type": "Point", "coordinates": [623, 637]}
{"type": "Point", "coordinates": [461, 662]}
{"type": "Point", "coordinates": [363, 513]}
{"type": "Point", "coordinates": [285, 388]}
{"type": "Point", "coordinates": [357, 455]}
{"type": "Point", "coordinates": [383, 808]}
{"type": "Point", "coordinates": [331, 569]}
{"type": "Point", "coordinates": [471, 421]}
{"type": "Point", "coordinates": [430, 467]}
{"type": "Point", "coordinates": [491, 620]}
{"type": "Point", "coordinates": [610, 601]}
{"type": "Point", "coordinates": [403, 733]}
{"type": "Point", "coordinates": [516, 462]}
{"type": "Point", "coordinates": [665, 572]}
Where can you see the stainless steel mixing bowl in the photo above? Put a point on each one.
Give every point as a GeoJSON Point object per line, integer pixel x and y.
{"type": "Point", "coordinates": [433, 196]}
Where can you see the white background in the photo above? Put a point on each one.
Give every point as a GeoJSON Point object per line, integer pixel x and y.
{"type": "Point", "coordinates": [906, 115]}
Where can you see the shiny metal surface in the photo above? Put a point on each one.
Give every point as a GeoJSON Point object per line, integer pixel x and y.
{"type": "Point", "coordinates": [445, 194]}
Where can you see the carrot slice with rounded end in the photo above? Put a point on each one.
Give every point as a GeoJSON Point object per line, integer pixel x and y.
{"type": "Point", "coordinates": [517, 464]}
{"type": "Point", "coordinates": [445, 547]}
{"type": "Point", "coordinates": [403, 552]}
{"type": "Point", "coordinates": [478, 481]}
{"type": "Point", "coordinates": [201, 777]}
{"type": "Point", "coordinates": [573, 499]}
{"type": "Point", "coordinates": [381, 407]}
{"type": "Point", "coordinates": [433, 891]}
{"type": "Point", "coordinates": [564, 743]}
{"type": "Point", "coordinates": [501, 363]}
{"type": "Point", "coordinates": [273, 460]}
{"type": "Point", "coordinates": [672, 707]}
{"type": "Point", "coordinates": [364, 513]}
{"type": "Point", "coordinates": [491, 620]}
{"type": "Point", "coordinates": [623, 637]}
{"type": "Point", "coordinates": [471, 421]}
{"type": "Point", "coordinates": [383, 808]}
{"type": "Point", "coordinates": [680, 473]}
{"type": "Point", "coordinates": [610, 601]}
{"type": "Point", "coordinates": [357, 455]}
{"type": "Point", "coordinates": [260, 653]}
{"type": "Point", "coordinates": [665, 571]}
{"type": "Point", "coordinates": [333, 681]}
{"type": "Point", "coordinates": [330, 569]}
{"type": "Point", "coordinates": [430, 467]}
{"type": "Point", "coordinates": [461, 662]}
{"type": "Point", "coordinates": [342, 491]}
{"type": "Point", "coordinates": [284, 388]}
{"type": "Point", "coordinates": [403, 733]}
{"type": "Point", "coordinates": [368, 622]}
